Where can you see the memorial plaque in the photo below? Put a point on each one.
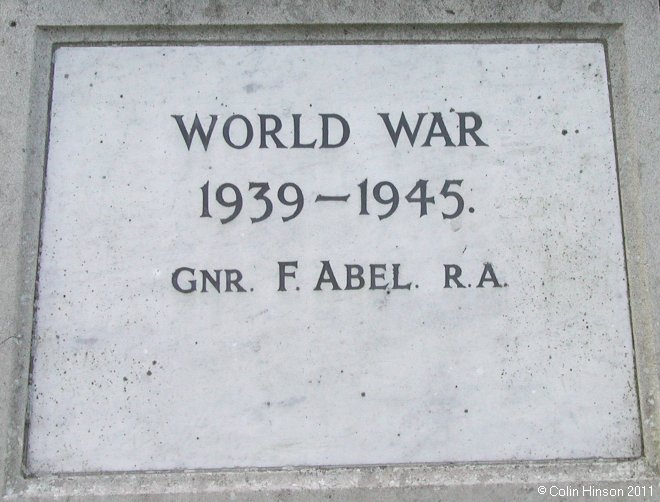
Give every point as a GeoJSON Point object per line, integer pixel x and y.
{"type": "Point", "coordinates": [330, 255]}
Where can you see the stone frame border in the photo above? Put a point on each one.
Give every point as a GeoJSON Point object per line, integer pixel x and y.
{"type": "Point", "coordinates": [497, 480]}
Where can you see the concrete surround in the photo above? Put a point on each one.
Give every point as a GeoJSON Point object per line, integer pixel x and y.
{"type": "Point", "coordinates": [29, 31]}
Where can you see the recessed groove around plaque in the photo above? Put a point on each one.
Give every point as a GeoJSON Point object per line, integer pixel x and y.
{"type": "Point", "coordinates": [453, 291]}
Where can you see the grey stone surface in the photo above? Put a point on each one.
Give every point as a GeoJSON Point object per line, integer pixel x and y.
{"type": "Point", "coordinates": [27, 32]}
{"type": "Point", "coordinates": [131, 374]}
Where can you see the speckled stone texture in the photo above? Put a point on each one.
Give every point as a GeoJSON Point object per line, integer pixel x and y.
{"type": "Point", "coordinates": [526, 356]}
{"type": "Point", "coordinates": [30, 30]}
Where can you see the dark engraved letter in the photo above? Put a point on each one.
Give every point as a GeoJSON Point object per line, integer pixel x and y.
{"type": "Point", "coordinates": [346, 130]}
{"type": "Point", "coordinates": [403, 124]}
{"type": "Point", "coordinates": [296, 134]}
{"type": "Point", "coordinates": [233, 278]}
{"type": "Point", "coordinates": [205, 137]}
{"type": "Point", "coordinates": [488, 275]}
{"type": "Point", "coordinates": [437, 121]}
{"type": "Point", "coordinates": [175, 280]}
{"type": "Point", "coordinates": [452, 273]}
{"type": "Point", "coordinates": [354, 273]}
{"type": "Point", "coordinates": [249, 133]}
{"type": "Point", "coordinates": [395, 281]}
{"type": "Point", "coordinates": [374, 276]}
{"type": "Point", "coordinates": [215, 282]}
{"type": "Point", "coordinates": [284, 273]}
{"type": "Point", "coordinates": [472, 131]}
{"type": "Point", "coordinates": [272, 132]}
{"type": "Point", "coordinates": [327, 275]}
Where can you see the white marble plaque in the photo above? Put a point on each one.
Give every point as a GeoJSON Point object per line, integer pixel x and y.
{"type": "Point", "coordinates": [300, 278]}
